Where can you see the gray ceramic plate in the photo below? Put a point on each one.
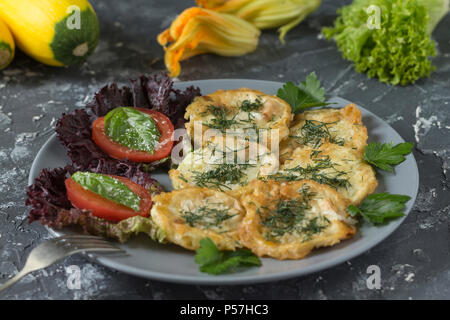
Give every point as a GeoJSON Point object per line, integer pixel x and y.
{"type": "Point", "coordinates": [171, 263]}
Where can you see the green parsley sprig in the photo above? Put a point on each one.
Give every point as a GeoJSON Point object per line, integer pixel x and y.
{"type": "Point", "coordinates": [213, 261]}
{"type": "Point", "coordinates": [307, 94]}
{"type": "Point", "coordinates": [380, 208]}
{"type": "Point", "coordinates": [385, 155]}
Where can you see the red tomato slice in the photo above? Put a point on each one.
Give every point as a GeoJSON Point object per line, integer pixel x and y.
{"type": "Point", "coordinates": [104, 208]}
{"type": "Point", "coordinates": [118, 151]}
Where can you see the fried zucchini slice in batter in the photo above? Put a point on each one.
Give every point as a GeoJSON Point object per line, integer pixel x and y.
{"type": "Point", "coordinates": [224, 165]}
{"type": "Point", "coordinates": [241, 109]}
{"type": "Point", "coordinates": [338, 167]}
{"type": "Point", "coordinates": [313, 129]}
{"type": "Point", "coordinates": [189, 215]}
{"type": "Point", "coordinates": [286, 220]}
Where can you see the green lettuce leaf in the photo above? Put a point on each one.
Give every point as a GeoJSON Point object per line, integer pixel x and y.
{"type": "Point", "coordinates": [399, 51]}
{"type": "Point", "coordinates": [127, 228]}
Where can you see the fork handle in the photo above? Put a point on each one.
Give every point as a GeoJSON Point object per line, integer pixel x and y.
{"type": "Point", "coordinates": [14, 279]}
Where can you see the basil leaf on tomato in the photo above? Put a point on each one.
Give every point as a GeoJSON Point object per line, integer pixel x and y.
{"type": "Point", "coordinates": [109, 188]}
{"type": "Point", "coordinates": [132, 128]}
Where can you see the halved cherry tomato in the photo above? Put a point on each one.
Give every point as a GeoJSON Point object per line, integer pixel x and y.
{"type": "Point", "coordinates": [104, 208]}
{"type": "Point", "coordinates": [118, 151]}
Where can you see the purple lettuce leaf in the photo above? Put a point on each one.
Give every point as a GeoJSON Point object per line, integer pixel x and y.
{"type": "Point", "coordinates": [108, 98]}
{"type": "Point", "coordinates": [155, 92]}
{"type": "Point", "coordinates": [47, 195]}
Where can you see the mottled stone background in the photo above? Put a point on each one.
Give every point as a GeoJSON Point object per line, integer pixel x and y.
{"type": "Point", "coordinates": [414, 261]}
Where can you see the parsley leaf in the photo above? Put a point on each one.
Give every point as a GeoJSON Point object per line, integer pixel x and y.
{"type": "Point", "coordinates": [307, 94]}
{"type": "Point", "coordinates": [212, 261]}
{"type": "Point", "coordinates": [207, 253]}
{"type": "Point", "coordinates": [384, 155]}
{"type": "Point", "coordinates": [378, 208]}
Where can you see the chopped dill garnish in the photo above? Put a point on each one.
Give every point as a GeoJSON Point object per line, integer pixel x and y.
{"type": "Point", "coordinates": [315, 133]}
{"type": "Point", "coordinates": [206, 217]}
{"type": "Point", "coordinates": [182, 177]}
{"type": "Point", "coordinates": [315, 225]}
{"type": "Point", "coordinates": [314, 154]}
{"type": "Point", "coordinates": [248, 106]}
{"type": "Point", "coordinates": [220, 121]}
{"type": "Point", "coordinates": [332, 177]}
{"type": "Point", "coordinates": [289, 217]}
{"type": "Point", "coordinates": [221, 176]}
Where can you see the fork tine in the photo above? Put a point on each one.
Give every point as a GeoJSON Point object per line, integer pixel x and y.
{"type": "Point", "coordinates": [85, 242]}
{"type": "Point", "coordinates": [80, 242]}
{"type": "Point", "coordinates": [96, 249]}
{"type": "Point", "coordinates": [76, 237]}
{"type": "Point", "coordinates": [90, 246]}
{"type": "Point", "coordinates": [85, 245]}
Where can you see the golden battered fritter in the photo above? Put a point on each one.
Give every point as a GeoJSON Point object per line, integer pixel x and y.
{"type": "Point", "coordinates": [241, 109]}
{"type": "Point", "coordinates": [189, 215]}
{"type": "Point", "coordinates": [332, 165]}
{"type": "Point", "coordinates": [312, 129]}
{"type": "Point", "coordinates": [288, 220]}
{"type": "Point", "coordinates": [224, 165]}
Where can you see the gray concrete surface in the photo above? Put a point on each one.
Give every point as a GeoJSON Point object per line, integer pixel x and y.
{"type": "Point", "coordinates": [414, 261]}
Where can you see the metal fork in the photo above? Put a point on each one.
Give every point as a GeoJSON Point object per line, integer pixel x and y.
{"type": "Point", "coordinates": [53, 250]}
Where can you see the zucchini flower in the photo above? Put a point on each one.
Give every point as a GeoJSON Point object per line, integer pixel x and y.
{"type": "Point", "coordinates": [197, 31]}
{"type": "Point", "coordinates": [266, 14]}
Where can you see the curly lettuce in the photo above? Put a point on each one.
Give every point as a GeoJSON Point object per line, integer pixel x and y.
{"type": "Point", "coordinates": [399, 51]}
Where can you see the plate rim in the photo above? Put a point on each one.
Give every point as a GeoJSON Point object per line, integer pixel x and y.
{"type": "Point", "coordinates": [236, 279]}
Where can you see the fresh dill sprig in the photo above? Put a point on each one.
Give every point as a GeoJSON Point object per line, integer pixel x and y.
{"type": "Point", "coordinates": [248, 106]}
{"type": "Point", "coordinates": [206, 217]}
{"type": "Point", "coordinates": [315, 133]}
{"type": "Point", "coordinates": [182, 177]}
{"type": "Point", "coordinates": [220, 121]}
{"type": "Point", "coordinates": [333, 177]}
{"type": "Point", "coordinates": [220, 177]}
{"type": "Point", "coordinates": [315, 225]}
{"type": "Point", "coordinates": [285, 217]}
{"type": "Point", "coordinates": [289, 216]}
